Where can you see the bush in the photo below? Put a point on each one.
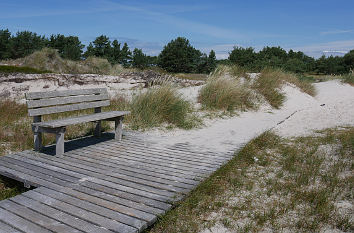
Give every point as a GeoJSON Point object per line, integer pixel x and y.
{"type": "Point", "coordinates": [224, 90]}
{"type": "Point", "coordinates": [161, 105]}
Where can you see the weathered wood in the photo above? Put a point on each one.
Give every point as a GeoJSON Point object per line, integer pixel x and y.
{"type": "Point", "coordinates": [35, 217]}
{"type": "Point", "coordinates": [118, 126]}
{"type": "Point", "coordinates": [37, 136]}
{"type": "Point", "coordinates": [81, 213]}
{"type": "Point", "coordinates": [20, 223]}
{"type": "Point", "coordinates": [68, 219]}
{"type": "Point", "coordinates": [82, 119]}
{"type": "Point", "coordinates": [59, 148]}
{"type": "Point", "coordinates": [66, 108]}
{"type": "Point", "coordinates": [103, 186]}
{"type": "Point", "coordinates": [52, 94]}
{"type": "Point", "coordinates": [97, 131]}
{"type": "Point", "coordinates": [65, 100]}
{"type": "Point", "coordinates": [122, 218]}
{"type": "Point", "coordinates": [7, 229]}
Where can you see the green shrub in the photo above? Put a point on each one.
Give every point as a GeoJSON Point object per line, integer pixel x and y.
{"type": "Point", "coordinates": [161, 105]}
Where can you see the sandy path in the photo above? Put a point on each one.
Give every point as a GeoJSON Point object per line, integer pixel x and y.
{"type": "Point", "coordinates": [301, 114]}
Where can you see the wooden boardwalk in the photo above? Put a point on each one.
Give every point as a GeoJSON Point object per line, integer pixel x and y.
{"type": "Point", "coordinates": [101, 185]}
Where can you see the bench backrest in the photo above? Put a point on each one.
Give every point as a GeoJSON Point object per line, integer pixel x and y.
{"type": "Point", "coordinates": [42, 103]}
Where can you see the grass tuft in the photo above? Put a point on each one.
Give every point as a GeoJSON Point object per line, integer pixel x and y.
{"type": "Point", "coordinates": [270, 81]}
{"type": "Point", "coordinates": [349, 78]}
{"type": "Point", "coordinates": [226, 91]}
{"type": "Point", "coordinates": [161, 105]}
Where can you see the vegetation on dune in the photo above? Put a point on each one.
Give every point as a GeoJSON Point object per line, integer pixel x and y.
{"type": "Point", "coordinates": [231, 88]}
{"type": "Point", "coordinates": [274, 184]}
{"type": "Point", "coordinates": [270, 81]}
{"type": "Point", "coordinates": [50, 59]}
{"type": "Point", "coordinates": [161, 105]}
{"type": "Point", "coordinates": [227, 92]}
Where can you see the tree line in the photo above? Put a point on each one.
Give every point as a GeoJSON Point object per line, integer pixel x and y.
{"type": "Point", "coordinates": [292, 61]}
{"type": "Point", "coordinates": [177, 56]}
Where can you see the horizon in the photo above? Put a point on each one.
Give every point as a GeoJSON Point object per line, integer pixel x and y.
{"type": "Point", "coordinates": [316, 28]}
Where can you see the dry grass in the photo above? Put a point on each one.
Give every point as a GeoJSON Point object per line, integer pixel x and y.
{"type": "Point", "coordinates": [276, 185]}
{"type": "Point", "coordinates": [270, 81]}
{"type": "Point", "coordinates": [49, 59]}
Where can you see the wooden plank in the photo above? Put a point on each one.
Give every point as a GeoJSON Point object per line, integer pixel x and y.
{"type": "Point", "coordinates": [69, 164]}
{"type": "Point", "coordinates": [61, 216]}
{"type": "Point", "coordinates": [143, 143]}
{"type": "Point", "coordinates": [81, 119]}
{"type": "Point", "coordinates": [207, 161]}
{"type": "Point", "coordinates": [157, 163]}
{"type": "Point", "coordinates": [113, 176]}
{"type": "Point", "coordinates": [20, 223]}
{"type": "Point", "coordinates": [66, 108]}
{"type": "Point", "coordinates": [34, 169]}
{"type": "Point", "coordinates": [122, 218]}
{"type": "Point", "coordinates": [80, 213]}
{"type": "Point", "coordinates": [35, 217]}
{"type": "Point", "coordinates": [137, 152]}
{"type": "Point", "coordinates": [91, 156]}
{"type": "Point", "coordinates": [7, 229]}
{"type": "Point", "coordinates": [52, 94]}
{"type": "Point", "coordinates": [65, 100]}
{"type": "Point", "coordinates": [92, 187]}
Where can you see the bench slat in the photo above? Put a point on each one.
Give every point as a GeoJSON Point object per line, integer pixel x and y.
{"type": "Point", "coordinates": [65, 100]}
{"type": "Point", "coordinates": [81, 119]}
{"type": "Point", "coordinates": [52, 94]}
{"type": "Point", "coordinates": [66, 108]}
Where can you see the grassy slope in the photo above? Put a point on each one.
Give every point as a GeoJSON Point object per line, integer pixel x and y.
{"type": "Point", "coordinates": [275, 184]}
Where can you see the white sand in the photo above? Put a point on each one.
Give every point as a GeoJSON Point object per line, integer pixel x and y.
{"type": "Point", "coordinates": [300, 115]}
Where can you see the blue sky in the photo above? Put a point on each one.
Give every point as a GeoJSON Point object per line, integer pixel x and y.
{"type": "Point", "coordinates": [309, 26]}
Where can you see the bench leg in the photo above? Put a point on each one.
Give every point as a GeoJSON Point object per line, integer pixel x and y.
{"type": "Point", "coordinates": [59, 148]}
{"type": "Point", "coordinates": [37, 135]}
{"type": "Point", "coordinates": [37, 138]}
{"type": "Point", "coordinates": [118, 128]}
{"type": "Point", "coordinates": [97, 131]}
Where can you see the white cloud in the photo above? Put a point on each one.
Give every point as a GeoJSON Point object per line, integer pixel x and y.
{"type": "Point", "coordinates": [337, 32]}
{"type": "Point", "coordinates": [317, 50]}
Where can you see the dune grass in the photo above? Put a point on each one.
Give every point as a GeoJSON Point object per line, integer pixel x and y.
{"type": "Point", "coordinates": [49, 59]}
{"type": "Point", "coordinates": [275, 184]}
{"type": "Point", "coordinates": [162, 105]}
{"type": "Point", "coordinates": [225, 94]}
{"type": "Point", "coordinates": [349, 78]}
{"type": "Point", "coordinates": [226, 91]}
{"type": "Point", "coordinates": [270, 81]}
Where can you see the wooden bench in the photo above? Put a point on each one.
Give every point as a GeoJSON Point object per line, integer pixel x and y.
{"type": "Point", "coordinates": [43, 103]}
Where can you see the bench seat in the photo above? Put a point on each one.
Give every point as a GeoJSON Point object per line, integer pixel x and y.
{"type": "Point", "coordinates": [51, 102]}
{"type": "Point", "coordinates": [81, 119]}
